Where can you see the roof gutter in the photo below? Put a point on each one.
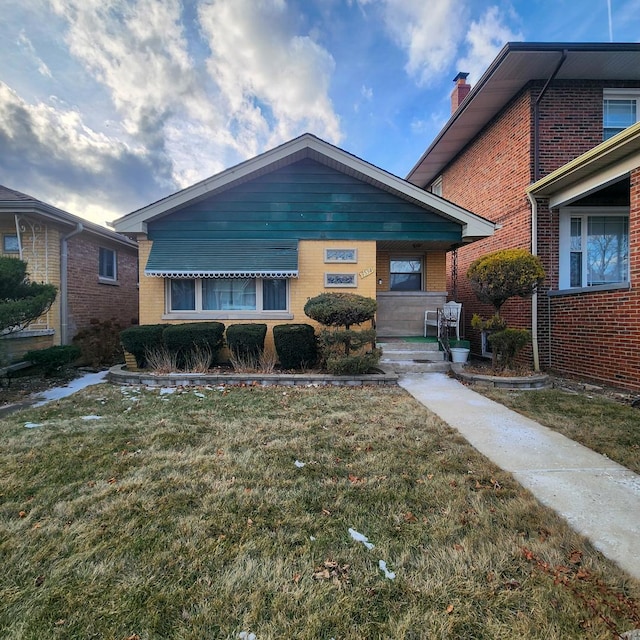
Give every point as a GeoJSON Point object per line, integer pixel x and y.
{"type": "Point", "coordinates": [64, 282]}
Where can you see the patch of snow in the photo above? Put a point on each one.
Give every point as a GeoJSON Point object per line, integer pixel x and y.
{"type": "Point", "coordinates": [299, 464]}
{"type": "Point", "coordinates": [359, 537]}
{"type": "Point", "coordinates": [247, 635]}
{"type": "Point", "coordinates": [57, 393]}
{"type": "Point", "coordinates": [167, 390]}
{"type": "Point", "coordinates": [200, 395]}
{"type": "Point", "coordinates": [312, 538]}
{"type": "Point", "coordinates": [92, 417]}
{"type": "Point", "coordinates": [389, 575]}
{"type": "Point", "coordinates": [32, 425]}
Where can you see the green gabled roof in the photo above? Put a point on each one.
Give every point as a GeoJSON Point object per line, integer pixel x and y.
{"type": "Point", "coordinates": [202, 258]}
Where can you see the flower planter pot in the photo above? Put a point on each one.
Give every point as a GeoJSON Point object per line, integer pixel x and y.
{"type": "Point", "coordinates": [459, 354]}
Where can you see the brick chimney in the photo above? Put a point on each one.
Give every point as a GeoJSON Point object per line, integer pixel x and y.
{"type": "Point", "coordinates": [460, 91]}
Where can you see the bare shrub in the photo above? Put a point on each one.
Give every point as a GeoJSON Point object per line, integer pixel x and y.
{"type": "Point", "coordinates": [198, 359]}
{"type": "Point", "coordinates": [161, 360]}
{"type": "Point", "coordinates": [264, 362]}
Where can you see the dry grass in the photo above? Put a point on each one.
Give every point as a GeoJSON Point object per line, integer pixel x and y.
{"type": "Point", "coordinates": [186, 516]}
{"type": "Point", "coordinates": [600, 423]}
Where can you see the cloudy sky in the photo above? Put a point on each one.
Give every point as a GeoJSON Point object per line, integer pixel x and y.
{"type": "Point", "coordinates": [108, 105]}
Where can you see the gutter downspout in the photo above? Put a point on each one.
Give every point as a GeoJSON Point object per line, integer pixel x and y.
{"type": "Point", "coordinates": [534, 206]}
{"type": "Point", "coordinates": [64, 282]}
{"type": "Point", "coordinates": [534, 297]}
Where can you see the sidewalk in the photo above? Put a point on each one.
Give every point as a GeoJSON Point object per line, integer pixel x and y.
{"type": "Point", "coordinates": [599, 498]}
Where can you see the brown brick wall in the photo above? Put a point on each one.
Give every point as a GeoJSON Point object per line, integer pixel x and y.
{"type": "Point", "coordinates": [594, 335]}
{"type": "Point", "coordinates": [489, 178]}
{"type": "Point", "coordinates": [88, 297]}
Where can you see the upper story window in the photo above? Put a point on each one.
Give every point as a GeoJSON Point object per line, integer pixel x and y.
{"type": "Point", "coordinates": [594, 247]}
{"type": "Point", "coordinates": [10, 243]}
{"type": "Point", "coordinates": [436, 186]}
{"type": "Point", "coordinates": [227, 294]}
{"type": "Point", "coordinates": [405, 274]}
{"type": "Point", "coordinates": [620, 110]}
{"type": "Point", "coordinates": [107, 264]}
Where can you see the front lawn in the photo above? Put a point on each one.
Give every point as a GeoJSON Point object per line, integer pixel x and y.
{"type": "Point", "coordinates": [281, 512]}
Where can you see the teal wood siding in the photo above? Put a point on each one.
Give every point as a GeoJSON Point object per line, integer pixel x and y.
{"type": "Point", "coordinates": [307, 201]}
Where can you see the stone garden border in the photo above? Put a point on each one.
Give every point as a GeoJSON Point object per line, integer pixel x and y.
{"type": "Point", "coordinates": [119, 374]}
{"type": "Point", "coordinates": [532, 382]}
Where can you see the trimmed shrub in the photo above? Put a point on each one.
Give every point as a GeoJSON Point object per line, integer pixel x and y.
{"type": "Point", "coordinates": [137, 340]}
{"type": "Point", "coordinates": [353, 365]}
{"type": "Point", "coordinates": [183, 339]}
{"type": "Point", "coordinates": [296, 345]}
{"type": "Point", "coordinates": [246, 340]}
{"type": "Point", "coordinates": [500, 275]}
{"type": "Point", "coordinates": [340, 309]}
{"type": "Point", "coordinates": [100, 343]}
{"type": "Point", "coordinates": [506, 344]}
{"type": "Point", "coordinates": [53, 359]}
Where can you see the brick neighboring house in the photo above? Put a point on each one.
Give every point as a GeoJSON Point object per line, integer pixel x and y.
{"type": "Point", "coordinates": [256, 241]}
{"type": "Point", "coordinates": [94, 269]}
{"type": "Point", "coordinates": [545, 145]}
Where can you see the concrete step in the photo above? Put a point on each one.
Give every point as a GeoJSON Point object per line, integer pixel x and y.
{"type": "Point", "coordinates": [413, 366]}
{"type": "Point", "coordinates": [394, 354]}
{"type": "Point", "coordinates": [398, 345]}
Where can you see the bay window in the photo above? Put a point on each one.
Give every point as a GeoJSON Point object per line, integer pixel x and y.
{"type": "Point", "coordinates": [594, 247]}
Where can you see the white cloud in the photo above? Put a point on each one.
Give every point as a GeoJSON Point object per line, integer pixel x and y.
{"type": "Point", "coordinates": [48, 150]}
{"type": "Point", "coordinates": [485, 38]}
{"type": "Point", "coordinates": [25, 43]}
{"type": "Point", "coordinates": [429, 33]}
{"type": "Point", "coordinates": [274, 81]}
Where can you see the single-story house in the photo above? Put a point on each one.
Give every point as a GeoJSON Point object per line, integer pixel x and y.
{"type": "Point", "coordinates": [256, 241]}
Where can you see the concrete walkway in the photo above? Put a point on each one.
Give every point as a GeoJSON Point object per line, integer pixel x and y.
{"type": "Point", "coordinates": [599, 498]}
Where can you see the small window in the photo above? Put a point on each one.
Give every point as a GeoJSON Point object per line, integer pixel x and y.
{"type": "Point", "coordinates": [405, 274]}
{"type": "Point", "coordinates": [10, 243]}
{"type": "Point", "coordinates": [340, 280]}
{"type": "Point", "coordinates": [594, 248]}
{"type": "Point", "coordinates": [107, 264]}
{"type": "Point", "coordinates": [619, 111]}
{"type": "Point", "coordinates": [341, 255]}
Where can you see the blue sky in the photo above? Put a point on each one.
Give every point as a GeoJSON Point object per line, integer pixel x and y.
{"type": "Point", "coordinates": [108, 105]}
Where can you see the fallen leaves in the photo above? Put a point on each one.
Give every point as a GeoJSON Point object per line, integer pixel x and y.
{"type": "Point", "coordinates": [334, 571]}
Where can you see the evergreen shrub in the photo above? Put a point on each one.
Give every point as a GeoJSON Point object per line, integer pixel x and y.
{"type": "Point", "coordinates": [53, 359]}
{"type": "Point", "coordinates": [246, 340]}
{"type": "Point", "coordinates": [182, 339]}
{"type": "Point", "coordinates": [296, 345]}
{"type": "Point", "coordinates": [137, 340]}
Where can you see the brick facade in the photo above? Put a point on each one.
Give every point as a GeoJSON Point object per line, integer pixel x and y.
{"type": "Point", "coordinates": [87, 298]}
{"type": "Point", "coordinates": [591, 334]}
{"type": "Point", "coordinates": [90, 298]}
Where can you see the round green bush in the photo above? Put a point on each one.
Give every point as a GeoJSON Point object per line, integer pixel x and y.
{"type": "Point", "coordinates": [181, 339]}
{"type": "Point", "coordinates": [340, 309]}
{"type": "Point", "coordinates": [246, 340]}
{"type": "Point", "coordinates": [295, 345]}
{"type": "Point", "coordinates": [137, 340]}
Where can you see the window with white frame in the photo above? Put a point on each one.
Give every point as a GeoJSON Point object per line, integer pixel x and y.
{"type": "Point", "coordinates": [436, 186]}
{"type": "Point", "coordinates": [405, 274]}
{"type": "Point", "coordinates": [594, 247]}
{"type": "Point", "coordinates": [227, 294]}
{"type": "Point", "coordinates": [107, 269]}
{"type": "Point", "coordinates": [620, 110]}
